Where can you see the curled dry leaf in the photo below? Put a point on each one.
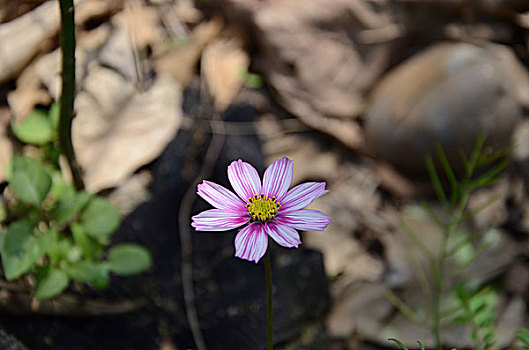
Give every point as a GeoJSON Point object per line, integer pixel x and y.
{"type": "Point", "coordinates": [127, 129]}
{"type": "Point", "coordinates": [30, 34]}
{"type": "Point", "coordinates": [28, 94]}
{"type": "Point", "coordinates": [131, 192]}
{"type": "Point", "coordinates": [22, 38]}
{"type": "Point", "coordinates": [118, 127]}
{"type": "Point", "coordinates": [180, 62]}
{"type": "Point", "coordinates": [6, 148]}
{"type": "Point", "coordinates": [142, 23]}
{"type": "Point", "coordinates": [322, 84]}
{"type": "Point", "coordinates": [223, 62]}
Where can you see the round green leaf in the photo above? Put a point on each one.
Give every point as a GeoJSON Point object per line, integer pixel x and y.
{"type": "Point", "coordinates": [35, 129]}
{"type": "Point", "coordinates": [51, 283]}
{"type": "Point", "coordinates": [129, 259]}
{"type": "Point", "coordinates": [19, 249]}
{"type": "Point", "coordinates": [90, 247]}
{"type": "Point", "coordinates": [100, 218]}
{"type": "Point", "coordinates": [89, 272]}
{"type": "Point", "coordinates": [29, 180]}
{"type": "Point", "coordinates": [69, 205]}
{"type": "Point", "coordinates": [46, 240]}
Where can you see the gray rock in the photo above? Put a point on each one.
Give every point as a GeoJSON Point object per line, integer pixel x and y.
{"type": "Point", "coordinates": [445, 95]}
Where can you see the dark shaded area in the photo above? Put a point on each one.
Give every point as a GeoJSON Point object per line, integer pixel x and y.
{"type": "Point", "coordinates": [230, 292]}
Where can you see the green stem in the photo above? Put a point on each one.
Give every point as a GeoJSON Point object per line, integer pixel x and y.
{"type": "Point", "coordinates": [67, 41]}
{"type": "Point", "coordinates": [438, 289]}
{"type": "Point", "coordinates": [439, 267]}
{"type": "Point", "coordinates": [268, 271]}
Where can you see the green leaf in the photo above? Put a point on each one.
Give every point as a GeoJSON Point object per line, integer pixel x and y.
{"type": "Point", "coordinates": [50, 282]}
{"type": "Point", "coordinates": [59, 251]}
{"type": "Point", "coordinates": [30, 181]}
{"type": "Point", "coordinates": [399, 343]}
{"type": "Point", "coordinates": [19, 249]}
{"type": "Point", "coordinates": [100, 219]}
{"type": "Point", "coordinates": [129, 259]}
{"type": "Point", "coordinates": [59, 186]}
{"type": "Point", "coordinates": [69, 206]}
{"type": "Point", "coordinates": [36, 129]}
{"type": "Point", "coordinates": [89, 272]}
{"type": "Point", "coordinates": [46, 240]}
{"type": "Point", "coordinates": [445, 164]}
{"type": "Point", "coordinates": [251, 80]}
{"type": "Point", "coordinates": [90, 248]}
{"type": "Point", "coordinates": [54, 115]}
{"type": "Point", "coordinates": [436, 182]}
{"type": "Point", "coordinates": [523, 336]}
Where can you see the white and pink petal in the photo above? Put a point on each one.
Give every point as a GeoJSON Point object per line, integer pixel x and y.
{"type": "Point", "coordinates": [220, 197]}
{"type": "Point", "coordinates": [283, 234]}
{"type": "Point", "coordinates": [218, 220]}
{"type": "Point", "coordinates": [306, 219]}
{"type": "Point", "coordinates": [302, 195]}
{"type": "Point", "coordinates": [251, 243]}
{"type": "Point", "coordinates": [277, 178]}
{"type": "Point", "coordinates": [244, 179]}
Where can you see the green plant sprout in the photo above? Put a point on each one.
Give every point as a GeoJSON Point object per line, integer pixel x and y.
{"type": "Point", "coordinates": [473, 306]}
{"type": "Point", "coordinates": [523, 337]}
{"type": "Point", "coordinates": [52, 231]}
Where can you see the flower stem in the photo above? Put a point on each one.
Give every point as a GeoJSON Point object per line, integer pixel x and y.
{"type": "Point", "coordinates": [268, 271]}
{"type": "Point", "coordinates": [67, 41]}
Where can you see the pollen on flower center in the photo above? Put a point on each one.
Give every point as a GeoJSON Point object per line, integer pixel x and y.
{"type": "Point", "coordinates": [262, 208]}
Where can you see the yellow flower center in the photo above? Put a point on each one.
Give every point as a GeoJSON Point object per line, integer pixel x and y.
{"type": "Point", "coordinates": [262, 208]}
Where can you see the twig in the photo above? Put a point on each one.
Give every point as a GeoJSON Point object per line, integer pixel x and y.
{"type": "Point", "coordinates": [67, 39]}
{"type": "Point", "coordinates": [186, 245]}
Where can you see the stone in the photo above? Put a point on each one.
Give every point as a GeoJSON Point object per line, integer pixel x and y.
{"type": "Point", "coordinates": [446, 95]}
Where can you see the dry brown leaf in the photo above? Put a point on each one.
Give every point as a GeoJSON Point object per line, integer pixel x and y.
{"type": "Point", "coordinates": [88, 9]}
{"type": "Point", "coordinates": [320, 70]}
{"type": "Point", "coordinates": [28, 94]}
{"type": "Point", "coordinates": [187, 12]}
{"type": "Point", "coordinates": [6, 148]}
{"type": "Point", "coordinates": [11, 9]}
{"type": "Point", "coordinates": [131, 192]}
{"type": "Point", "coordinates": [118, 129]}
{"type": "Point", "coordinates": [22, 38]}
{"type": "Point", "coordinates": [30, 34]}
{"type": "Point", "coordinates": [180, 63]}
{"type": "Point", "coordinates": [142, 23]}
{"type": "Point", "coordinates": [361, 307]}
{"type": "Point", "coordinates": [223, 62]}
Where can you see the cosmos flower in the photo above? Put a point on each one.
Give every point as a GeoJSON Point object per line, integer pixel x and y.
{"type": "Point", "coordinates": [270, 209]}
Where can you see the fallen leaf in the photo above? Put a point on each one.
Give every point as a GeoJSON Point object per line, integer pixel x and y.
{"type": "Point", "coordinates": [6, 147]}
{"type": "Point", "coordinates": [142, 23]}
{"type": "Point", "coordinates": [180, 63]}
{"type": "Point", "coordinates": [131, 192]}
{"type": "Point", "coordinates": [118, 129]}
{"type": "Point", "coordinates": [28, 94]}
{"type": "Point", "coordinates": [324, 84]}
{"type": "Point", "coordinates": [22, 38]}
{"type": "Point", "coordinates": [223, 62]}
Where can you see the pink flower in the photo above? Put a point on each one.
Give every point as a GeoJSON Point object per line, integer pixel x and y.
{"type": "Point", "coordinates": [269, 208]}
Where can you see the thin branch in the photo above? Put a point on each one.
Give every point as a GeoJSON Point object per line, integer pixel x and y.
{"type": "Point", "coordinates": [67, 39]}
